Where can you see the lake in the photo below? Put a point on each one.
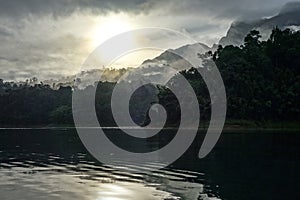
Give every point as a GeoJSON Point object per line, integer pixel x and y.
{"type": "Point", "coordinates": [53, 164]}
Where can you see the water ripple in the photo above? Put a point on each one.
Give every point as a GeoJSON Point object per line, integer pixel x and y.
{"type": "Point", "coordinates": [52, 177]}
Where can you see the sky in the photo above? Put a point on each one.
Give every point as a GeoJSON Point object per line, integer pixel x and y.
{"type": "Point", "coordinates": [50, 39]}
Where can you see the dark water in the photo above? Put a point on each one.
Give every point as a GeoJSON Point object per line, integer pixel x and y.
{"type": "Point", "coordinates": [53, 164]}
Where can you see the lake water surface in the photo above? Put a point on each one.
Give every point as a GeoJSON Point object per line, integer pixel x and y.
{"type": "Point", "coordinates": [53, 164]}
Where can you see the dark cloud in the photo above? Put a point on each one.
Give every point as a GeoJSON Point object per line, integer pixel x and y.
{"type": "Point", "coordinates": [224, 8]}
{"type": "Point", "coordinates": [46, 37]}
{"type": "Point", "coordinates": [221, 8]}
{"type": "Point", "coordinates": [5, 32]}
{"type": "Point", "coordinates": [21, 8]}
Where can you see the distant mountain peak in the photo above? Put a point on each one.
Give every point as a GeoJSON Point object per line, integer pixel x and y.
{"type": "Point", "coordinates": [287, 18]}
{"type": "Point", "coordinates": [290, 7]}
{"type": "Point", "coordinates": [173, 55]}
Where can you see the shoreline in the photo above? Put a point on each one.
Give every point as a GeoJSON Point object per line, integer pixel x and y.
{"type": "Point", "coordinates": [227, 128]}
{"type": "Point", "coordinates": [230, 126]}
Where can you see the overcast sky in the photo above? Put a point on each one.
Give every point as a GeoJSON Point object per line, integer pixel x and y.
{"type": "Point", "coordinates": [52, 38]}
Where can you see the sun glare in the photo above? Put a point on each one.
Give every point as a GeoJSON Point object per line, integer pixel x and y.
{"type": "Point", "coordinates": [109, 26]}
{"type": "Point", "coordinates": [119, 52]}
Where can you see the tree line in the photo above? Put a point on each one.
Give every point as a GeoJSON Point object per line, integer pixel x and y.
{"type": "Point", "coordinates": [262, 83]}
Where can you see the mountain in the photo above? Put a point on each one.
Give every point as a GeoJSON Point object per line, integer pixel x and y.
{"type": "Point", "coordinates": [158, 69]}
{"type": "Point", "coordinates": [173, 57]}
{"type": "Point", "coordinates": [167, 64]}
{"type": "Point", "coordinates": [287, 18]}
{"type": "Point", "coordinates": [170, 62]}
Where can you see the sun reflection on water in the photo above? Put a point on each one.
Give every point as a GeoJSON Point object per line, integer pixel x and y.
{"type": "Point", "coordinates": [113, 192]}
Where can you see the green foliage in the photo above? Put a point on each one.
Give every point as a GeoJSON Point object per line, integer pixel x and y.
{"type": "Point", "coordinates": [62, 114]}
{"type": "Point", "coordinates": [262, 81]}
{"type": "Point", "coordinates": [262, 78]}
{"type": "Point", "coordinates": [31, 105]}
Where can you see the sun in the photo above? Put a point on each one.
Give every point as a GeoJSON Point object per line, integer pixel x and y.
{"type": "Point", "coordinates": [109, 26]}
{"type": "Point", "coordinates": [131, 55]}
{"type": "Point", "coordinates": [105, 28]}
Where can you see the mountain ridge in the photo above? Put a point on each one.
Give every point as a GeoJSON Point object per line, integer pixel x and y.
{"type": "Point", "coordinates": [288, 17]}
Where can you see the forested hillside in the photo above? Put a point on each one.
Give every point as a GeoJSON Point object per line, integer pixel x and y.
{"type": "Point", "coordinates": [262, 81]}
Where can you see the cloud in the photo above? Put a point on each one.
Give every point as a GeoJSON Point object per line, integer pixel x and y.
{"type": "Point", "coordinates": [5, 32]}
{"type": "Point", "coordinates": [221, 8]}
{"type": "Point", "coordinates": [41, 51]}
{"type": "Point", "coordinates": [57, 8]}
{"type": "Point", "coordinates": [49, 38]}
